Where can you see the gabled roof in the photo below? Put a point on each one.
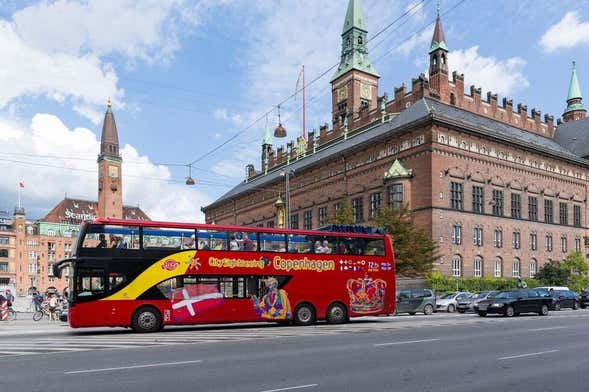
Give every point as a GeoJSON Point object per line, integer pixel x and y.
{"type": "Point", "coordinates": [421, 111]}
{"type": "Point", "coordinates": [77, 210]}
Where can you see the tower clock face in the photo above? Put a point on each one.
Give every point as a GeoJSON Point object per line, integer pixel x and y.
{"type": "Point", "coordinates": [365, 91]}
{"type": "Point", "coordinates": [342, 93]}
{"type": "Point", "coordinates": [113, 172]}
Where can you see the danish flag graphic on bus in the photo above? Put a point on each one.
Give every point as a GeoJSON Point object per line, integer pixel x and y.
{"type": "Point", "coordinates": [194, 299]}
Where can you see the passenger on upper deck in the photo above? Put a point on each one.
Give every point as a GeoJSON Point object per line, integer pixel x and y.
{"type": "Point", "coordinates": [102, 241]}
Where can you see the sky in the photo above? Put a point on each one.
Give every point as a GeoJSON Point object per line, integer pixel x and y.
{"type": "Point", "coordinates": [194, 82]}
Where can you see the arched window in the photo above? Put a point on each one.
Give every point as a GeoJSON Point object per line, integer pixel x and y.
{"type": "Point", "coordinates": [498, 268]}
{"type": "Point", "coordinates": [360, 40]}
{"type": "Point", "coordinates": [515, 269]}
{"type": "Point", "coordinates": [435, 60]}
{"type": "Point", "coordinates": [533, 267]}
{"type": "Point", "coordinates": [457, 265]}
{"type": "Point", "coordinates": [478, 266]}
{"type": "Point", "coordinates": [452, 99]}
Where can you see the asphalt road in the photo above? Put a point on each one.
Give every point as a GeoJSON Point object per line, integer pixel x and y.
{"type": "Point", "coordinates": [438, 353]}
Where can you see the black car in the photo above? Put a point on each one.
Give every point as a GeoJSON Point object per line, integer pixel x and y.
{"type": "Point", "coordinates": [564, 299]}
{"type": "Point", "coordinates": [513, 302]}
{"type": "Point", "coordinates": [584, 298]}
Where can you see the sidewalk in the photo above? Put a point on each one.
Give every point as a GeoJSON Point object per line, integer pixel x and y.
{"type": "Point", "coordinates": [25, 325]}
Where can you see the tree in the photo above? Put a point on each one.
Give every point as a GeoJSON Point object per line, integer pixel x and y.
{"type": "Point", "coordinates": [575, 264]}
{"type": "Point", "coordinates": [553, 274]}
{"type": "Point", "coordinates": [343, 216]}
{"type": "Point", "coordinates": [415, 251]}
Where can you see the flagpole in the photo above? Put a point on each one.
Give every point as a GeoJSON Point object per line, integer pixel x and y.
{"type": "Point", "coordinates": [18, 185]}
{"type": "Point", "coordinates": [304, 105]}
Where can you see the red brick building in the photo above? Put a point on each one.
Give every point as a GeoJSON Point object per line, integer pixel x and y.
{"type": "Point", "coordinates": [501, 191]}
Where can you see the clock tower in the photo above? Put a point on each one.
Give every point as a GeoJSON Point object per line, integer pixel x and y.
{"type": "Point", "coordinates": [110, 190]}
{"type": "Point", "coordinates": [354, 85]}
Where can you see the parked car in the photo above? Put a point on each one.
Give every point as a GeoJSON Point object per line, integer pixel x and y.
{"type": "Point", "coordinates": [584, 298]}
{"type": "Point", "coordinates": [548, 288]}
{"type": "Point", "coordinates": [564, 299]}
{"type": "Point", "coordinates": [514, 302]}
{"type": "Point", "coordinates": [467, 304]}
{"type": "Point", "coordinates": [415, 300]}
{"type": "Point", "coordinates": [449, 302]}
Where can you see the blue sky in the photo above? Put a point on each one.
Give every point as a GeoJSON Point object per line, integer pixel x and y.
{"type": "Point", "coordinates": [185, 76]}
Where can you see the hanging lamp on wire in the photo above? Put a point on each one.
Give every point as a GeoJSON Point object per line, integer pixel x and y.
{"type": "Point", "coordinates": [279, 131]}
{"type": "Point", "coordinates": [189, 179]}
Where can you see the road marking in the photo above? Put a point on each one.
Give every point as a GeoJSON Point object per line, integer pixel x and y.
{"type": "Point", "coordinates": [406, 342]}
{"type": "Point", "coordinates": [545, 329]}
{"type": "Point", "coordinates": [528, 355]}
{"type": "Point", "coordinates": [291, 388]}
{"type": "Point", "coordinates": [132, 367]}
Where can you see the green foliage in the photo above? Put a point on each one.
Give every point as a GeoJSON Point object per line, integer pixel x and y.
{"type": "Point", "coordinates": [553, 274]}
{"type": "Point", "coordinates": [343, 216]}
{"type": "Point", "coordinates": [442, 284]}
{"type": "Point", "coordinates": [415, 251]}
{"type": "Point", "coordinates": [571, 272]}
{"type": "Point", "coordinates": [575, 264]}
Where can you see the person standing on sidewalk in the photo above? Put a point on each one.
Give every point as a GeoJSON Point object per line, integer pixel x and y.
{"type": "Point", "coordinates": [9, 298]}
{"type": "Point", "coordinates": [53, 307]}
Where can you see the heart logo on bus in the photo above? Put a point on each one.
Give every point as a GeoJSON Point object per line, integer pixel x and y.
{"type": "Point", "coordinates": [170, 265]}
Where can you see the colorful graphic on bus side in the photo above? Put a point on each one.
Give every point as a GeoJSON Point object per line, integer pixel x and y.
{"type": "Point", "coordinates": [366, 294]}
{"type": "Point", "coordinates": [274, 305]}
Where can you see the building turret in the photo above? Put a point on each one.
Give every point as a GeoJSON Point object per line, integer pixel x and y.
{"type": "Point", "coordinates": [110, 190]}
{"type": "Point", "coordinates": [575, 109]}
{"type": "Point", "coordinates": [438, 62]}
{"type": "Point", "coordinates": [266, 147]}
{"type": "Point", "coordinates": [355, 83]}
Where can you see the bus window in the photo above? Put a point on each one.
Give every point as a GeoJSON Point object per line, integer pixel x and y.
{"type": "Point", "coordinates": [374, 247]}
{"type": "Point", "coordinates": [90, 282]}
{"type": "Point", "coordinates": [272, 242]}
{"type": "Point", "coordinates": [111, 236]}
{"type": "Point", "coordinates": [300, 243]}
{"type": "Point", "coordinates": [212, 239]}
{"type": "Point", "coordinates": [323, 244]}
{"type": "Point", "coordinates": [162, 237]}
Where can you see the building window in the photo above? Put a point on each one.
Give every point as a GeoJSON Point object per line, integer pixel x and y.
{"type": "Point", "coordinates": [533, 208]}
{"type": "Point", "coordinates": [548, 212]}
{"type": "Point", "coordinates": [577, 244]}
{"type": "Point", "coordinates": [294, 221]}
{"type": "Point", "coordinates": [577, 216]}
{"type": "Point", "coordinates": [457, 234]}
{"type": "Point", "coordinates": [336, 207]}
{"type": "Point", "coordinates": [375, 203]}
{"type": "Point", "coordinates": [477, 236]}
{"type": "Point", "coordinates": [357, 210]}
{"type": "Point", "coordinates": [516, 241]}
{"type": "Point", "coordinates": [533, 241]}
{"type": "Point", "coordinates": [478, 200]}
{"type": "Point", "coordinates": [515, 269]}
{"type": "Point", "coordinates": [497, 202]}
{"type": "Point", "coordinates": [498, 267]}
{"type": "Point", "coordinates": [270, 224]}
{"type": "Point", "coordinates": [396, 196]}
{"type": "Point", "coordinates": [456, 196]}
{"type": "Point", "coordinates": [456, 266]}
{"type": "Point", "coordinates": [498, 238]}
{"type": "Point", "coordinates": [563, 244]}
{"type": "Point", "coordinates": [478, 267]}
{"type": "Point", "coordinates": [308, 220]}
{"type": "Point", "coordinates": [564, 214]}
{"type": "Point", "coordinates": [516, 205]}
{"type": "Point", "coordinates": [549, 242]}
{"type": "Point", "coordinates": [533, 267]}
{"type": "Point", "coordinates": [3, 252]}
{"type": "Point", "coordinates": [4, 240]}
{"type": "Point", "coordinates": [322, 215]}
{"type": "Point", "coordinates": [3, 267]}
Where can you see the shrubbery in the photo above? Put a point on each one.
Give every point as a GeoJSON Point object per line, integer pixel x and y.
{"type": "Point", "coordinates": [441, 284]}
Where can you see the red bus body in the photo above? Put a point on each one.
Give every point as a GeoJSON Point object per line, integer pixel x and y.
{"type": "Point", "coordinates": [363, 283]}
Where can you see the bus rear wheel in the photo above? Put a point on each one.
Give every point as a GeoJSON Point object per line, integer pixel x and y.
{"type": "Point", "coordinates": [304, 314]}
{"type": "Point", "coordinates": [336, 313]}
{"type": "Point", "coordinates": [146, 319]}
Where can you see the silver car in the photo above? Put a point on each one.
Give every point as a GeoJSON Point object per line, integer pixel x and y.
{"type": "Point", "coordinates": [468, 304]}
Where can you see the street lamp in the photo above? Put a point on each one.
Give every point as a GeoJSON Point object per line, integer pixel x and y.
{"type": "Point", "coordinates": [189, 179]}
{"type": "Point", "coordinates": [287, 173]}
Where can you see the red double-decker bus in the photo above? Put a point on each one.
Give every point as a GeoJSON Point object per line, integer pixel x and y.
{"type": "Point", "coordinates": [146, 275]}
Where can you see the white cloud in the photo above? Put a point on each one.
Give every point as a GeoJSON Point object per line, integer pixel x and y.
{"type": "Point", "coordinates": [567, 33]}
{"type": "Point", "coordinates": [418, 40]}
{"type": "Point", "coordinates": [503, 76]}
{"type": "Point", "coordinates": [48, 151]}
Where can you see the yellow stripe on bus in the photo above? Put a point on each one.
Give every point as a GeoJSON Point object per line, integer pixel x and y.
{"type": "Point", "coordinates": [170, 266]}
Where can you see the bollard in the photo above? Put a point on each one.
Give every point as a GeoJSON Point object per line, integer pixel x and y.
{"type": "Point", "coordinates": [4, 311]}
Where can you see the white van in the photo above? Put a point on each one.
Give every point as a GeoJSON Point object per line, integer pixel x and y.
{"type": "Point", "coordinates": [552, 288]}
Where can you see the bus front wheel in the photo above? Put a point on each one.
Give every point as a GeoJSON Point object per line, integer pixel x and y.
{"type": "Point", "coordinates": [304, 314]}
{"type": "Point", "coordinates": [336, 313]}
{"type": "Point", "coordinates": [146, 319]}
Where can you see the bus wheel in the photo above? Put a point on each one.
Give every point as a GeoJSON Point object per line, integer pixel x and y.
{"type": "Point", "coordinates": [146, 319]}
{"type": "Point", "coordinates": [336, 313]}
{"type": "Point", "coordinates": [304, 314]}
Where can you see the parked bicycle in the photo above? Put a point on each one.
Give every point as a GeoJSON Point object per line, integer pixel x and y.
{"type": "Point", "coordinates": [46, 311]}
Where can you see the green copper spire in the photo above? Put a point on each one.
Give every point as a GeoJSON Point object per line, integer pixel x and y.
{"type": "Point", "coordinates": [354, 17]}
{"type": "Point", "coordinates": [574, 97]}
{"type": "Point", "coordinates": [354, 50]}
{"type": "Point", "coordinates": [267, 140]}
{"type": "Point", "coordinates": [438, 40]}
